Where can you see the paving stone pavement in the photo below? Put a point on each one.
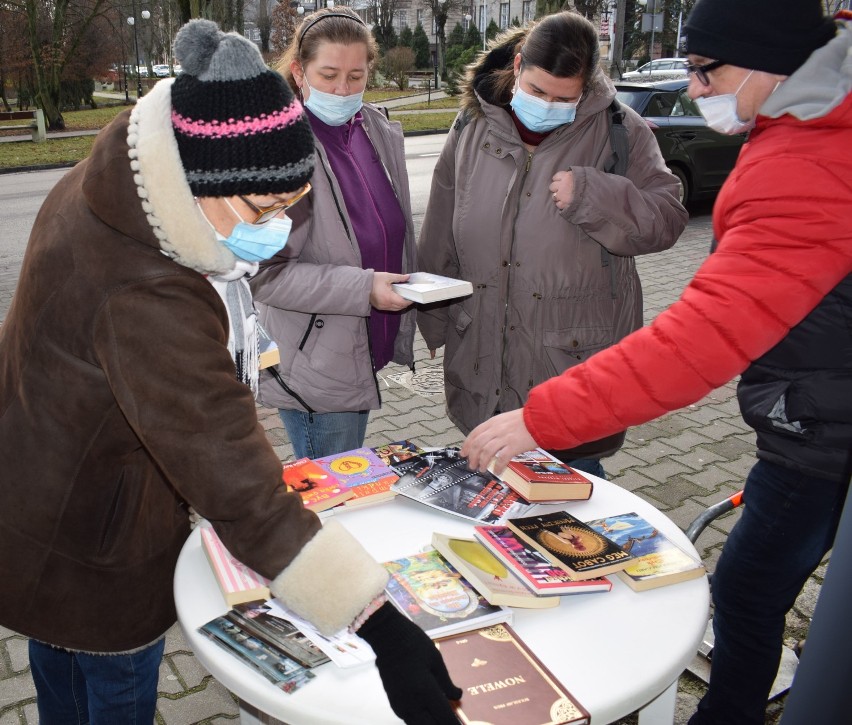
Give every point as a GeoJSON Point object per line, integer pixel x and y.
{"type": "Point", "coordinates": [681, 463]}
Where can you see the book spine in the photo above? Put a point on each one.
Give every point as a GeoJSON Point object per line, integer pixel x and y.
{"type": "Point", "coordinates": [233, 575]}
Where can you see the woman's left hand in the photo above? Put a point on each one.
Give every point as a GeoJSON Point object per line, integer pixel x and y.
{"type": "Point", "coordinates": [562, 188]}
{"type": "Point", "coordinates": [383, 297]}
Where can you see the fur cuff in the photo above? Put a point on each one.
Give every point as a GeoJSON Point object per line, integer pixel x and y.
{"type": "Point", "coordinates": [331, 581]}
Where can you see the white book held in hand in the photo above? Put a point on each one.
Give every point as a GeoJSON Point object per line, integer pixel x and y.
{"type": "Point", "coordinates": [424, 287]}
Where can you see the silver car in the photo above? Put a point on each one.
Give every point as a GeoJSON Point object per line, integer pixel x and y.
{"type": "Point", "coordinates": [658, 70]}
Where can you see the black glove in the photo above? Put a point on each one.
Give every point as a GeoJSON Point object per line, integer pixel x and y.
{"type": "Point", "coordinates": [413, 673]}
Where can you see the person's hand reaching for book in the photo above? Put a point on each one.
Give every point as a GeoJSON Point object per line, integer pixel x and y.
{"type": "Point", "coordinates": [413, 672]}
{"type": "Point", "coordinates": [496, 441]}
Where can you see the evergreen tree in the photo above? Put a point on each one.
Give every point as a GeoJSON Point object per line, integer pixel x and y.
{"type": "Point", "coordinates": [456, 37]}
{"type": "Point", "coordinates": [472, 38]}
{"type": "Point", "coordinates": [492, 30]}
{"type": "Point", "coordinates": [406, 37]}
{"type": "Point", "coordinates": [420, 46]}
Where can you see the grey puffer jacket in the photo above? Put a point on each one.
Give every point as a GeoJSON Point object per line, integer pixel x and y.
{"type": "Point", "coordinates": [551, 287]}
{"type": "Point", "coordinates": [313, 297]}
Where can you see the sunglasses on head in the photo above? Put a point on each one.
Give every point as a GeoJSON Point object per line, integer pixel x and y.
{"type": "Point", "coordinates": [265, 213]}
{"type": "Point", "coordinates": [701, 71]}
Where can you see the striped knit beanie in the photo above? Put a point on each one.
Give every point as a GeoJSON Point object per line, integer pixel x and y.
{"type": "Point", "coordinates": [239, 128]}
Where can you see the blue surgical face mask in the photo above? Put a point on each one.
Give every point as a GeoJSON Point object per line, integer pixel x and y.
{"type": "Point", "coordinates": [538, 115]}
{"type": "Point", "coordinates": [257, 242]}
{"type": "Point", "coordinates": [331, 109]}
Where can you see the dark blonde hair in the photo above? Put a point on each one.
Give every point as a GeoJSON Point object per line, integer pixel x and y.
{"type": "Point", "coordinates": [564, 44]}
{"type": "Point", "coordinates": [339, 24]}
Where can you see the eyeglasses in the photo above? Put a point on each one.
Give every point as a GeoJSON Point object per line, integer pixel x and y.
{"type": "Point", "coordinates": [265, 213]}
{"type": "Point", "coordinates": [701, 71]}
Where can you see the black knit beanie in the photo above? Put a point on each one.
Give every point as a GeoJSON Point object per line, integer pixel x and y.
{"type": "Point", "coordinates": [239, 128]}
{"type": "Point", "coordinates": [775, 36]}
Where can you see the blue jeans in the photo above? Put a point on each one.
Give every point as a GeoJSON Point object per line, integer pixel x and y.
{"type": "Point", "coordinates": [787, 526]}
{"type": "Point", "coordinates": [314, 435]}
{"type": "Point", "coordinates": [588, 465]}
{"type": "Point", "coordinates": [75, 688]}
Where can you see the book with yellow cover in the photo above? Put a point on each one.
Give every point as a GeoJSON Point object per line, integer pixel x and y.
{"type": "Point", "coordinates": [504, 683]}
{"type": "Point", "coordinates": [317, 487]}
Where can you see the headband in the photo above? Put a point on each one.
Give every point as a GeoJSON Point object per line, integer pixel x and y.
{"type": "Point", "coordinates": [317, 19]}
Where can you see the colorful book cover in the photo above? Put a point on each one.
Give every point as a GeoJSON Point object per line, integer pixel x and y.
{"type": "Point", "coordinates": [401, 456]}
{"type": "Point", "coordinates": [282, 671]}
{"type": "Point", "coordinates": [444, 482]}
{"type": "Point", "coordinates": [237, 582]}
{"type": "Point", "coordinates": [317, 487]}
{"type": "Point", "coordinates": [568, 542]}
{"type": "Point", "coordinates": [362, 472]}
{"type": "Point", "coordinates": [490, 576]}
{"type": "Point", "coordinates": [504, 682]}
{"type": "Point", "coordinates": [258, 618]}
{"type": "Point", "coordinates": [437, 598]}
{"type": "Point", "coordinates": [531, 567]}
{"type": "Point", "coordinates": [659, 561]}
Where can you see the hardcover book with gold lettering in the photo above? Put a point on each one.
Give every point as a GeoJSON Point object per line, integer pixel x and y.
{"type": "Point", "coordinates": [504, 683]}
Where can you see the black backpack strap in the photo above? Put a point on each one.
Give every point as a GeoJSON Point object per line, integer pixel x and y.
{"type": "Point", "coordinates": [620, 144]}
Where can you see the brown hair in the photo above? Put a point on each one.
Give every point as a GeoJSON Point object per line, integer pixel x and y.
{"type": "Point", "coordinates": [564, 44]}
{"type": "Point", "coordinates": [339, 24]}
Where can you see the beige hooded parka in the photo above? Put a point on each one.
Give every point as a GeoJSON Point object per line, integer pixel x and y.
{"type": "Point", "coordinates": [551, 287]}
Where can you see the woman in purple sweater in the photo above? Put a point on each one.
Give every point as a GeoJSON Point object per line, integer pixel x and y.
{"type": "Point", "coordinates": [326, 298]}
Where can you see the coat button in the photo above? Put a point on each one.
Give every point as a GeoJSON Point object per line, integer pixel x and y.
{"type": "Point", "coordinates": [529, 194]}
{"type": "Point", "coordinates": [319, 324]}
{"type": "Point", "coordinates": [487, 145]}
{"type": "Point", "coordinates": [574, 343]}
{"type": "Point", "coordinates": [498, 151]}
{"type": "Point", "coordinates": [505, 263]}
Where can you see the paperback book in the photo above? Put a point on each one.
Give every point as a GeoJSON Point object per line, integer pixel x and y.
{"type": "Point", "coordinates": [363, 473]}
{"type": "Point", "coordinates": [401, 457]}
{"type": "Point", "coordinates": [504, 682]}
{"type": "Point", "coordinates": [319, 489]}
{"type": "Point", "coordinates": [237, 582]}
{"type": "Point", "coordinates": [282, 671]}
{"type": "Point", "coordinates": [569, 543]}
{"type": "Point", "coordinates": [258, 619]}
{"type": "Point", "coordinates": [539, 476]}
{"type": "Point", "coordinates": [658, 560]}
{"type": "Point", "coordinates": [531, 567]}
{"type": "Point", "coordinates": [437, 598]}
{"type": "Point", "coordinates": [443, 481]}
{"type": "Point", "coordinates": [425, 287]}
{"type": "Point", "coordinates": [268, 353]}
{"type": "Point", "coordinates": [488, 574]}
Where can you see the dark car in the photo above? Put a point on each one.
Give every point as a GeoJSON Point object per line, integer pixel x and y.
{"type": "Point", "coordinates": [700, 157]}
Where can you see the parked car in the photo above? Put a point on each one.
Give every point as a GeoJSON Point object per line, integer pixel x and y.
{"type": "Point", "coordinates": [658, 69]}
{"type": "Point", "coordinates": [161, 70]}
{"type": "Point", "coordinates": [700, 157]}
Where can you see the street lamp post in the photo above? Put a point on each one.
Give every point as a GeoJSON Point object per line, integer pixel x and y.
{"type": "Point", "coordinates": [435, 28]}
{"type": "Point", "coordinates": [131, 21]}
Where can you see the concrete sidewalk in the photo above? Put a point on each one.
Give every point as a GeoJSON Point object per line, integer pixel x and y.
{"type": "Point", "coordinates": [680, 463]}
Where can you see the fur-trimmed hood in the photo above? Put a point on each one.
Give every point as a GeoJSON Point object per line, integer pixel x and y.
{"type": "Point", "coordinates": [479, 87]}
{"type": "Point", "coordinates": [153, 204]}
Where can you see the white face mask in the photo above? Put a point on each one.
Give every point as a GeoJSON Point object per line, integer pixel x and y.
{"type": "Point", "coordinates": [720, 112]}
{"type": "Point", "coordinates": [331, 109]}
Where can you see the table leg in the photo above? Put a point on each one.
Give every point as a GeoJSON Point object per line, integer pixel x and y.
{"type": "Point", "coordinates": [250, 715]}
{"type": "Point", "coordinates": [660, 711]}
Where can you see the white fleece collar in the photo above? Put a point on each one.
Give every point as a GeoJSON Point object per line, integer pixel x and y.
{"type": "Point", "coordinates": [167, 200]}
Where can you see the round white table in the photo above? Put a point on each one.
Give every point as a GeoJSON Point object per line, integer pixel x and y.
{"type": "Point", "coordinates": [617, 652]}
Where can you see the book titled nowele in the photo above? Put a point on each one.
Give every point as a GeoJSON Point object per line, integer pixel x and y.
{"type": "Point", "coordinates": [539, 476]}
{"type": "Point", "coordinates": [425, 287]}
{"type": "Point", "coordinates": [571, 544]}
{"type": "Point", "coordinates": [504, 683]}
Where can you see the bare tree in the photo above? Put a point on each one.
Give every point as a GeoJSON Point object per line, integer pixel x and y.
{"type": "Point", "coordinates": [441, 10]}
{"type": "Point", "coordinates": [382, 14]}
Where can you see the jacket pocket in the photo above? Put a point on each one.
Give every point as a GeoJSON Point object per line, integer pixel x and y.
{"type": "Point", "coordinates": [766, 407]}
{"type": "Point", "coordinates": [566, 348]}
{"type": "Point", "coordinates": [462, 361]}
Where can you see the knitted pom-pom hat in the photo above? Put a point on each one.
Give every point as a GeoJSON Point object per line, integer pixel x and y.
{"type": "Point", "coordinates": [239, 128]}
